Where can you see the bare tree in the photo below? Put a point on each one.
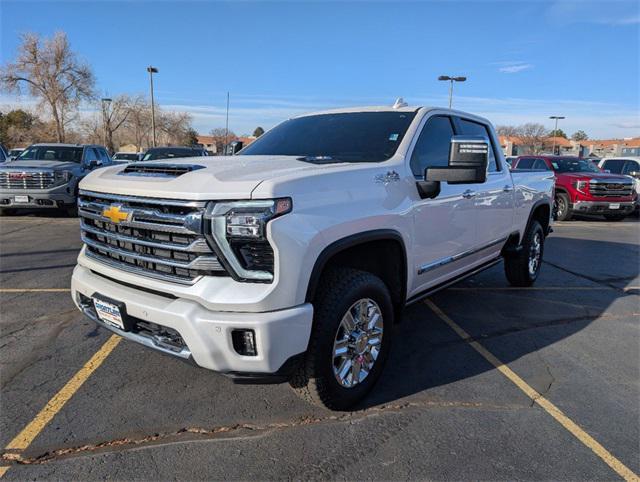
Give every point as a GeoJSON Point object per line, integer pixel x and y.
{"type": "Point", "coordinates": [532, 135]}
{"type": "Point", "coordinates": [508, 131]}
{"type": "Point", "coordinates": [115, 114]}
{"type": "Point", "coordinates": [52, 73]}
{"type": "Point", "coordinates": [174, 127]}
{"type": "Point", "coordinates": [138, 126]}
{"type": "Point", "coordinates": [220, 136]}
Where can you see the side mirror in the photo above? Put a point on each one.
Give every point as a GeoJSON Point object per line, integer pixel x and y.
{"type": "Point", "coordinates": [635, 174]}
{"type": "Point", "coordinates": [468, 160]}
{"type": "Point", "coordinates": [93, 163]}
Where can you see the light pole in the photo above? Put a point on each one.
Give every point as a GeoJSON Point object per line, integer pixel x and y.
{"type": "Point", "coordinates": [105, 105]}
{"type": "Point", "coordinates": [152, 70]}
{"type": "Point", "coordinates": [451, 81]}
{"type": "Point", "coordinates": [555, 130]}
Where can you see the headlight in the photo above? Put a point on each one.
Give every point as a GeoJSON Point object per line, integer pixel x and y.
{"type": "Point", "coordinates": [239, 235]}
{"type": "Point", "coordinates": [581, 186]}
{"type": "Point", "coordinates": [62, 177]}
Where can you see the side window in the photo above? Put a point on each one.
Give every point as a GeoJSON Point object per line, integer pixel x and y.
{"type": "Point", "coordinates": [631, 166]}
{"type": "Point", "coordinates": [525, 163]}
{"type": "Point", "coordinates": [614, 165]}
{"type": "Point", "coordinates": [104, 157]}
{"type": "Point", "coordinates": [471, 128]}
{"type": "Point", "coordinates": [432, 147]}
{"type": "Point", "coordinates": [540, 164]}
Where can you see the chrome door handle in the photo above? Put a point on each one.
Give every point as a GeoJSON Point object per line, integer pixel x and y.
{"type": "Point", "coordinates": [468, 194]}
{"type": "Point", "coordinates": [507, 188]}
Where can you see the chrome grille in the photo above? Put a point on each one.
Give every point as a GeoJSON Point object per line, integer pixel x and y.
{"type": "Point", "coordinates": [16, 179]}
{"type": "Point", "coordinates": [610, 188]}
{"type": "Point", "coordinates": [159, 238]}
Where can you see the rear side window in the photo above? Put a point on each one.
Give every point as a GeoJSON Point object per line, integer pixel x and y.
{"type": "Point", "coordinates": [432, 147]}
{"type": "Point", "coordinates": [471, 128]}
{"type": "Point", "coordinates": [525, 163]}
{"type": "Point", "coordinates": [614, 165]}
{"type": "Point", "coordinates": [540, 164]}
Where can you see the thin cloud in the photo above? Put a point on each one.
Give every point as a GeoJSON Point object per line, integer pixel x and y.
{"type": "Point", "coordinates": [514, 69]}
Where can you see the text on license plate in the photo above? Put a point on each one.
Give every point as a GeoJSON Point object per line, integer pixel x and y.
{"type": "Point", "coordinates": [614, 206]}
{"type": "Point", "coordinates": [109, 313]}
{"type": "Point", "coordinates": [21, 199]}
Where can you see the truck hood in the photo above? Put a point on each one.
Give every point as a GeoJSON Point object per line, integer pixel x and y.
{"type": "Point", "coordinates": [221, 177]}
{"type": "Point", "coordinates": [40, 165]}
{"type": "Point", "coordinates": [604, 176]}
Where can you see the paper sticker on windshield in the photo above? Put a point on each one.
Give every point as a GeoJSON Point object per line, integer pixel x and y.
{"type": "Point", "coordinates": [394, 137]}
{"type": "Point", "coordinates": [555, 165]}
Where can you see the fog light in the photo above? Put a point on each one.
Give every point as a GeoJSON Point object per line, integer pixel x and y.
{"type": "Point", "coordinates": [244, 342]}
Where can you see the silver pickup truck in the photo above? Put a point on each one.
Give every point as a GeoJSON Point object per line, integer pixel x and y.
{"type": "Point", "coordinates": [47, 176]}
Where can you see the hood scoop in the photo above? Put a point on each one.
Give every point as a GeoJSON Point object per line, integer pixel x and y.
{"type": "Point", "coordinates": [158, 169]}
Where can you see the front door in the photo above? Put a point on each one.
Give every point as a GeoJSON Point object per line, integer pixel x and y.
{"type": "Point", "coordinates": [444, 227]}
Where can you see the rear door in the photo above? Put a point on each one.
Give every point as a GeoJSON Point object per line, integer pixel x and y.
{"type": "Point", "coordinates": [494, 199]}
{"type": "Point", "coordinates": [444, 227]}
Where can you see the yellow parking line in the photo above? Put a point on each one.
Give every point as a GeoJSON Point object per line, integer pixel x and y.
{"type": "Point", "coordinates": [31, 431]}
{"type": "Point", "coordinates": [530, 288]}
{"type": "Point", "coordinates": [546, 405]}
{"type": "Point", "coordinates": [35, 290]}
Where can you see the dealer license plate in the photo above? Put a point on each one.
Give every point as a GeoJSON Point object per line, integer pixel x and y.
{"type": "Point", "coordinates": [109, 313]}
{"type": "Point", "coordinates": [614, 206]}
{"type": "Point", "coordinates": [21, 199]}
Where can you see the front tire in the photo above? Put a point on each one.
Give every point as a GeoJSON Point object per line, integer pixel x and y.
{"type": "Point", "coordinates": [562, 209]}
{"type": "Point", "coordinates": [523, 268]}
{"type": "Point", "coordinates": [350, 340]}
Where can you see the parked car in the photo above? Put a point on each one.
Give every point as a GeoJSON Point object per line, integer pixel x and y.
{"type": "Point", "coordinates": [629, 166]}
{"type": "Point", "coordinates": [121, 157]}
{"type": "Point", "coordinates": [293, 259]}
{"type": "Point", "coordinates": [157, 153]}
{"type": "Point", "coordinates": [509, 160]}
{"type": "Point", "coordinates": [47, 176]}
{"type": "Point", "coordinates": [14, 153]}
{"type": "Point", "coordinates": [581, 187]}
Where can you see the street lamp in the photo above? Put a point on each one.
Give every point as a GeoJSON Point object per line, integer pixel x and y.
{"type": "Point", "coordinates": [152, 70]}
{"type": "Point", "coordinates": [555, 130]}
{"type": "Point", "coordinates": [451, 80]}
{"type": "Point", "coordinates": [105, 105]}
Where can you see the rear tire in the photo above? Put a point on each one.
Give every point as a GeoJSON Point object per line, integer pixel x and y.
{"type": "Point", "coordinates": [523, 268]}
{"type": "Point", "coordinates": [615, 217]}
{"type": "Point", "coordinates": [350, 339]}
{"type": "Point", "coordinates": [561, 207]}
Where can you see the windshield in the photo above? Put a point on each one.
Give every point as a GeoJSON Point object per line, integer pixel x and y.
{"type": "Point", "coordinates": [125, 156]}
{"type": "Point", "coordinates": [346, 137]}
{"type": "Point", "coordinates": [52, 153]}
{"type": "Point", "coordinates": [569, 164]}
{"type": "Point", "coordinates": [168, 153]}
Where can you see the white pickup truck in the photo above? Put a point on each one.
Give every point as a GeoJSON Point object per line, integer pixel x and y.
{"type": "Point", "coordinates": [292, 260]}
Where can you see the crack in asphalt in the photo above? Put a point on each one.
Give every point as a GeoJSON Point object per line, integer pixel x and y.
{"type": "Point", "coordinates": [235, 430]}
{"type": "Point", "coordinates": [600, 281]}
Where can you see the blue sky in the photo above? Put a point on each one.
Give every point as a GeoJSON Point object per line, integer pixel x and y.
{"type": "Point", "coordinates": [525, 60]}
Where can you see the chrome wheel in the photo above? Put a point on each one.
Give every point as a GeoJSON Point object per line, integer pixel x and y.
{"type": "Point", "coordinates": [560, 207]}
{"type": "Point", "coordinates": [357, 342]}
{"type": "Point", "coordinates": [535, 253]}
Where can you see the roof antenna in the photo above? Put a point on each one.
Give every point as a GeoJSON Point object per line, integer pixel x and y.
{"type": "Point", "coordinates": [399, 103]}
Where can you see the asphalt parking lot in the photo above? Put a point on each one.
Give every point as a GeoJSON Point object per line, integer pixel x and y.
{"type": "Point", "coordinates": [78, 404]}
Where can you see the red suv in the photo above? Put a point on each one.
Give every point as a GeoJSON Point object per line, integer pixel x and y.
{"type": "Point", "coordinates": [582, 187]}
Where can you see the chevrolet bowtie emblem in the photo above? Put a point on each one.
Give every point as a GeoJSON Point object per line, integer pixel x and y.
{"type": "Point", "coordinates": [116, 214]}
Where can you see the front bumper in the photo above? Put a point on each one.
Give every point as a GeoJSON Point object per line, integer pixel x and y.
{"type": "Point", "coordinates": [279, 335]}
{"type": "Point", "coordinates": [601, 207]}
{"type": "Point", "coordinates": [54, 197]}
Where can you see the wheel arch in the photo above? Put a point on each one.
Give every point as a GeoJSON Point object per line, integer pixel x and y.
{"type": "Point", "coordinates": [358, 251]}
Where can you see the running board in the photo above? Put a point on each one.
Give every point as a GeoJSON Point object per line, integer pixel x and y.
{"type": "Point", "coordinates": [429, 291]}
